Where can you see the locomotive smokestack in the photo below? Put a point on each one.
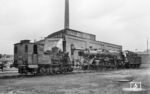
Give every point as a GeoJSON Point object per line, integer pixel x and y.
{"type": "Point", "coordinates": [66, 24]}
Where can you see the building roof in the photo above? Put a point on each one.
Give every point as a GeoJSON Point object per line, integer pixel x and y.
{"type": "Point", "coordinates": [73, 33]}
{"type": "Point", "coordinates": [64, 31]}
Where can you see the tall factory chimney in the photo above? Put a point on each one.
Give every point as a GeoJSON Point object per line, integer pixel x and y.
{"type": "Point", "coordinates": [66, 24]}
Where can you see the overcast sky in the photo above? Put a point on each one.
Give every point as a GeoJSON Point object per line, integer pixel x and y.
{"type": "Point", "coordinates": [123, 22]}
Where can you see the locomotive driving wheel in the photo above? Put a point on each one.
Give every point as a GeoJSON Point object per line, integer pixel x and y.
{"type": "Point", "coordinates": [43, 71]}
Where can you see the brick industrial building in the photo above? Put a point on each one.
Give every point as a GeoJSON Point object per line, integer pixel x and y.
{"type": "Point", "coordinates": [81, 40]}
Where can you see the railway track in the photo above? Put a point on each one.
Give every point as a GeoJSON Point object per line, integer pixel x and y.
{"type": "Point", "coordinates": [13, 76]}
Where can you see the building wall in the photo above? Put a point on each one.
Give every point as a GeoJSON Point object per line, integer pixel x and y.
{"type": "Point", "coordinates": [80, 43]}
{"type": "Point", "coordinates": [80, 34]}
{"type": "Point", "coordinates": [83, 40]}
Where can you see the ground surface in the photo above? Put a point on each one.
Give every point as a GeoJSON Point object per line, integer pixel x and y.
{"type": "Point", "coordinates": [110, 82]}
